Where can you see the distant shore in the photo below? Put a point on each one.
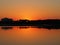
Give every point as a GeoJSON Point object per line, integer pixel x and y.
{"type": "Point", "coordinates": [48, 23]}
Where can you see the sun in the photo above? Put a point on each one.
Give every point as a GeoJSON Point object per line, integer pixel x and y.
{"type": "Point", "coordinates": [26, 14]}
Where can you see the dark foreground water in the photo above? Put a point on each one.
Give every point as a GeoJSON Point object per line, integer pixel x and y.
{"type": "Point", "coordinates": [29, 36]}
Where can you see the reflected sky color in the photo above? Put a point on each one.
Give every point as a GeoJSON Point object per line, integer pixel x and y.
{"type": "Point", "coordinates": [29, 36]}
{"type": "Point", "coordinates": [30, 9]}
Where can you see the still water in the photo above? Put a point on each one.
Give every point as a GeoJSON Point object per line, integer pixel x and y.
{"type": "Point", "coordinates": [29, 36]}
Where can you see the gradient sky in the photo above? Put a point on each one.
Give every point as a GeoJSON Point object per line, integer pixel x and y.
{"type": "Point", "coordinates": [30, 9]}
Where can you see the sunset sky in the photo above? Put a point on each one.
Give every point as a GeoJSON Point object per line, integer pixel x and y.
{"type": "Point", "coordinates": [30, 9]}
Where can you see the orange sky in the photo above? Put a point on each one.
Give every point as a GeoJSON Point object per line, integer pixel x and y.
{"type": "Point", "coordinates": [32, 10]}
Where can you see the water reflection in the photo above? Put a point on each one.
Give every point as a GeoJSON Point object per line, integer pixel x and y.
{"type": "Point", "coordinates": [25, 27]}
{"type": "Point", "coordinates": [6, 27]}
{"type": "Point", "coordinates": [29, 36]}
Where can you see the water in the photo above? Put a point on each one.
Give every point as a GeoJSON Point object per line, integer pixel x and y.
{"type": "Point", "coordinates": [29, 36]}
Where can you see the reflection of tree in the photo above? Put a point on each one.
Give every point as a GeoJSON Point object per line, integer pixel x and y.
{"type": "Point", "coordinates": [6, 28]}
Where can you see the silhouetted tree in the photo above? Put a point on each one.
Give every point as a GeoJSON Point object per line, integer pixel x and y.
{"type": "Point", "coordinates": [6, 21]}
{"type": "Point", "coordinates": [23, 22]}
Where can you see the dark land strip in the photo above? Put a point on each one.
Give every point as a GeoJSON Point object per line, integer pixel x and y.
{"type": "Point", "coordinates": [47, 23]}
